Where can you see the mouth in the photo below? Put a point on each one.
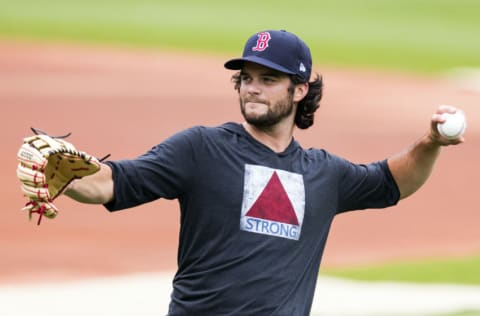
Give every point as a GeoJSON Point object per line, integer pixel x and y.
{"type": "Point", "coordinates": [255, 106]}
{"type": "Point", "coordinates": [255, 102]}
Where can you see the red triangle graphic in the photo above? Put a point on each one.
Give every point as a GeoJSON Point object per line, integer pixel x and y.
{"type": "Point", "coordinates": [273, 204]}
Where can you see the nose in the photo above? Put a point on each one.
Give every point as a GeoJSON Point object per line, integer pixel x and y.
{"type": "Point", "coordinates": [253, 87]}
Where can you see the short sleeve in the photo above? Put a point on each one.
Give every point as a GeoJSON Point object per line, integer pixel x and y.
{"type": "Point", "coordinates": [363, 186]}
{"type": "Point", "coordinates": [162, 172]}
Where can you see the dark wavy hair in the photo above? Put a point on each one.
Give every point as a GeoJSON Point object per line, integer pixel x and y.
{"type": "Point", "coordinates": [306, 108]}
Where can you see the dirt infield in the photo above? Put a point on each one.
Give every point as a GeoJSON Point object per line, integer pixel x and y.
{"type": "Point", "coordinates": [124, 102]}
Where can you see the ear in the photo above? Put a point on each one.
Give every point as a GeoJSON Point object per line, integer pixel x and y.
{"type": "Point", "coordinates": [300, 91]}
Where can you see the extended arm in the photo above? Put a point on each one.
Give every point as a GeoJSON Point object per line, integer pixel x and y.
{"type": "Point", "coordinates": [93, 189]}
{"type": "Point", "coordinates": [412, 167]}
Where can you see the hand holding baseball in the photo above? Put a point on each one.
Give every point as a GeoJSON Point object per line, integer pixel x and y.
{"type": "Point", "coordinates": [449, 125]}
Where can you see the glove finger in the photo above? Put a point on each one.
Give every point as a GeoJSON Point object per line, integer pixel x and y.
{"type": "Point", "coordinates": [31, 157]}
{"type": "Point", "coordinates": [36, 193]}
{"type": "Point", "coordinates": [29, 176]}
{"type": "Point", "coordinates": [41, 141]}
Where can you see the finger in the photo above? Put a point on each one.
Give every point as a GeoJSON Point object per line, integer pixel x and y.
{"type": "Point", "coordinates": [438, 118]}
{"type": "Point", "coordinates": [445, 108]}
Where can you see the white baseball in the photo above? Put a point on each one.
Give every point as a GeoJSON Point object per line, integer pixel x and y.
{"type": "Point", "coordinates": [454, 125]}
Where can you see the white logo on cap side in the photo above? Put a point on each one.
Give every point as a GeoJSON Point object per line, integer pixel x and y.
{"type": "Point", "coordinates": [302, 67]}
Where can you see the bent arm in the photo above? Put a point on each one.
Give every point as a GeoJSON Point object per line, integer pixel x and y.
{"type": "Point", "coordinates": [412, 167]}
{"type": "Point", "coordinates": [94, 189]}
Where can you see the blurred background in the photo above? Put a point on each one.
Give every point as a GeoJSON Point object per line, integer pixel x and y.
{"type": "Point", "coordinates": [123, 75]}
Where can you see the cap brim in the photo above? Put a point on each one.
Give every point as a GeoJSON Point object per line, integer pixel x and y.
{"type": "Point", "coordinates": [237, 64]}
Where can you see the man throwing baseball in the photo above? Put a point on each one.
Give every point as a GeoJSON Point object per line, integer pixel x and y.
{"type": "Point", "coordinates": [256, 207]}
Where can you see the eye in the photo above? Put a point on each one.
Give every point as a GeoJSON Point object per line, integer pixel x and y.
{"type": "Point", "coordinates": [269, 79]}
{"type": "Point", "coordinates": [245, 78]}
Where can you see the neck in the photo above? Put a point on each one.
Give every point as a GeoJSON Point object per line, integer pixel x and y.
{"type": "Point", "coordinates": [276, 137]}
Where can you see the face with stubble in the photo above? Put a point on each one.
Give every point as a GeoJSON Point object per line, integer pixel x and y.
{"type": "Point", "coordinates": [265, 95]}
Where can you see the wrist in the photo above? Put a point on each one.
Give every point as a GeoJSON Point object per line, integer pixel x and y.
{"type": "Point", "coordinates": [69, 189]}
{"type": "Point", "coordinates": [431, 141]}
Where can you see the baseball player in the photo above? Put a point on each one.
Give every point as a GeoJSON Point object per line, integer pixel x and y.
{"type": "Point", "coordinates": [256, 207]}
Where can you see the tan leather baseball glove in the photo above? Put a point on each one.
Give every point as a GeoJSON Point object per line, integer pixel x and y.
{"type": "Point", "coordinates": [46, 166]}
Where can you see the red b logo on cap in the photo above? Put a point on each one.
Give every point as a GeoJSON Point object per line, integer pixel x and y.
{"type": "Point", "coordinates": [262, 42]}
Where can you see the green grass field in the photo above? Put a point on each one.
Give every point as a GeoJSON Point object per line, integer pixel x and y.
{"type": "Point", "coordinates": [409, 35]}
{"type": "Point", "coordinates": [462, 313]}
{"type": "Point", "coordinates": [446, 270]}
{"type": "Point", "coordinates": [464, 270]}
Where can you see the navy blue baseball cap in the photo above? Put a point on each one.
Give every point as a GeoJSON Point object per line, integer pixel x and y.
{"type": "Point", "coordinates": [279, 50]}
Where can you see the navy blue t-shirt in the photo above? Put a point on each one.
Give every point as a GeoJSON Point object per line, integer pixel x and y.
{"type": "Point", "coordinates": [253, 222]}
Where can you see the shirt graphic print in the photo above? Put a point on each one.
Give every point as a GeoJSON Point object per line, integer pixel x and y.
{"type": "Point", "coordinates": [273, 202]}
